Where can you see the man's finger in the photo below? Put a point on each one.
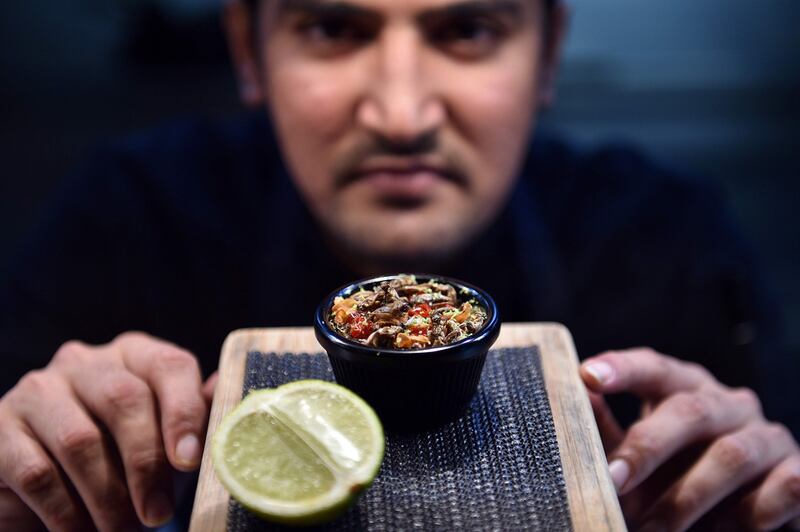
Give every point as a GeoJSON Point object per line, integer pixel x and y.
{"type": "Point", "coordinates": [729, 464]}
{"type": "Point", "coordinates": [30, 473]}
{"type": "Point", "coordinates": [126, 406]}
{"type": "Point", "coordinates": [643, 372]}
{"type": "Point", "coordinates": [174, 375]}
{"type": "Point", "coordinates": [610, 432]}
{"type": "Point", "coordinates": [677, 423]}
{"type": "Point", "coordinates": [66, 430]}
{"type": "Point", "coordinates": [777, 500]}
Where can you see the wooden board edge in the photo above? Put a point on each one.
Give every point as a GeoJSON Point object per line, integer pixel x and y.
{"type": "Point", "coordinates": [210, 509]}
{"type": "Point", "coordinates": [589, 485]}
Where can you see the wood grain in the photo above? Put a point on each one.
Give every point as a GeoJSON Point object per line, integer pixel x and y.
{"type": "Point", "coordinates": [592, 500]}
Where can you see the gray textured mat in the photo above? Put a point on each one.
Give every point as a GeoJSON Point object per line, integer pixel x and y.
{"type": "Point", "coordinates": [495, 468]}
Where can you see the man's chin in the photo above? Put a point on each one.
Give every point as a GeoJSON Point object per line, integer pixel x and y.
{"type": "Point", "coordinates": [372, 252]}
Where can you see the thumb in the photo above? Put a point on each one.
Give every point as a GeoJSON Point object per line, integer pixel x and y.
{"type": "Point", "coordinates": [209, 386]}
{"type": "Point", "coordinates": [610, 431]}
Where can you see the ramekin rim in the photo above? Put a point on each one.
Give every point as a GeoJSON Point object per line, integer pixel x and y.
{"type": "Point", "coordinates": [486, 331]}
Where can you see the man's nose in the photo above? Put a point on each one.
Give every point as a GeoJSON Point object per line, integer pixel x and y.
{"type": "Point", "coordinates": [400, 103]}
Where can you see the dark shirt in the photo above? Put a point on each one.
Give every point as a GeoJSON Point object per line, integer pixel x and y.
{"type": "Point", "coordinates": [195, 230]}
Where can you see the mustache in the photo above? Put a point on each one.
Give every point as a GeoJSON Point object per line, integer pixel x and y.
{"type": "Point", "coordinates": [426, 146]}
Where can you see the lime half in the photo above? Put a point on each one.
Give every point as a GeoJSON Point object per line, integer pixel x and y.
{"type": "Point", "coordinates": [300, 453]}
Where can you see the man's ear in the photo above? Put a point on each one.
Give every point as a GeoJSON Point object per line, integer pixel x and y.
{"type": "Point", "coordinates": [551, 56]}
{"type": "Point", "coordinates": [237, 20]}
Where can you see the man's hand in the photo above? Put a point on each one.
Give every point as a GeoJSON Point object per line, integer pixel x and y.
{"type": "Point", "coordinates": [700, 450]}
{"type": "Point", "coordinates": [90, 438]}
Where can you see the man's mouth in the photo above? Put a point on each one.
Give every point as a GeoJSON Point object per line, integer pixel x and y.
{"type": "Point", "coordinates": [408, 185]}
{"type": "Point", "coordinates": [397, 179]}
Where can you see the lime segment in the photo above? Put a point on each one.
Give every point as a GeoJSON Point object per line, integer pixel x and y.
{"type": "Point", "coordinates": [300, 453]}
{"type": "Point", "coordinates": [268, 458]}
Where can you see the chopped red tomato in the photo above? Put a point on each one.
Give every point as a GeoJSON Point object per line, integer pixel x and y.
{"type": "Point", "coordinates": [423, 309]}
{"type": "Point", "coordinates": [360, 327]}
{"type": "Point", "coordinates": [421, 329]}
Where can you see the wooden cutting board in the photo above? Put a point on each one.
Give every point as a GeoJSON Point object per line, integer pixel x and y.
{"type": "Point", "coordinates": [592, 500]}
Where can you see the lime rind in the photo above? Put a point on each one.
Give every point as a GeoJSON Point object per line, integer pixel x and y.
{"type": "Point", "coordinates": [318, 425]}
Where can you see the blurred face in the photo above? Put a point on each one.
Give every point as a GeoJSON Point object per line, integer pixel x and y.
{"type": "Point", "coordinates": [403, 123]}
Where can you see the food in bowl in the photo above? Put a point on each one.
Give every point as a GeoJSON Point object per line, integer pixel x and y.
{"type": "Point", "coordinates": [402, 313]}
{"type": "Point", "coordinates": [410, 388]}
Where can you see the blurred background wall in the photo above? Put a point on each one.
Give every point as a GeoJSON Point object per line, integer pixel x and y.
{"type": "Point", "coordinates": [711, 86]}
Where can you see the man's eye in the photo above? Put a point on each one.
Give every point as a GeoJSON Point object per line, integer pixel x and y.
{"type": "Point", "coordinates": [469, 39]}
{"type": "Point", "coordinates": [333, 35]}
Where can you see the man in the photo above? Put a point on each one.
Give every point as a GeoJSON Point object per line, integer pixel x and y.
{"type": "Point", "coordinates": [404, 126]}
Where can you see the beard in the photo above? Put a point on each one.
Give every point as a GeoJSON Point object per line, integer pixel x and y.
{"type": "Point", "coordinates": [399, 239]}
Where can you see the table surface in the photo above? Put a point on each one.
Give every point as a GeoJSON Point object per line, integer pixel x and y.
{"type": "Point", "coordinates": [592, 500]}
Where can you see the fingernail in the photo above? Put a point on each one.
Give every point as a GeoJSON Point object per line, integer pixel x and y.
{"type": "Point", "coordinates": [601, 371]}
{"type": "Point", "coordinates": [620, 471]}
{"type": "Point", "coordinates": [187, 452]}
{"type": "Point", "coordinates": [158, 508]}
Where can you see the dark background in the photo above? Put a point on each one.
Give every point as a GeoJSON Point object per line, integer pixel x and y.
{"type": "Point", "coordinates": [711, 86]}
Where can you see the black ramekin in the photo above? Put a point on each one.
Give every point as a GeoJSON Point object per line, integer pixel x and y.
{"type": "Point", "coordinates": [417, 388]}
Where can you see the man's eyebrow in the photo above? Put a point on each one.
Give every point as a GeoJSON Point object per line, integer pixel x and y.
{"type": "Point", "coordinates": [469, 8]}
{"type": "Point", "coordinates": [473, 8]}
{"type": "Point", "coordinates": [319, 7]}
